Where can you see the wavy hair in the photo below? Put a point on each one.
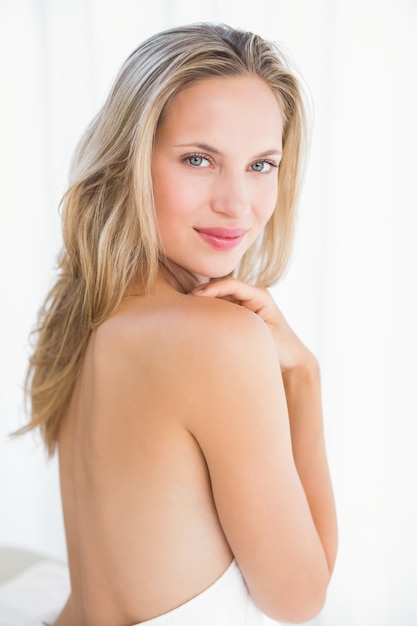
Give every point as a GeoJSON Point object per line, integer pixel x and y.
{"type": "Point", "coordinates": [108, 220]}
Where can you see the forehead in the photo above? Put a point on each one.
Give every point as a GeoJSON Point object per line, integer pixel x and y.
{"type": "Point", "coordinates": [223, 109]}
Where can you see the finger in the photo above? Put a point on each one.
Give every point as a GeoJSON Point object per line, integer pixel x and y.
{"type": "Point", "coordinates": [225, 287]}
{"type": "Point", "coordinates": [231, 288]}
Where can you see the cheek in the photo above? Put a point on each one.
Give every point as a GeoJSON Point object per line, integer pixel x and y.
{"type": "Point", "coordinates": [164, 195]}
{"type": "Point", "coordinates": [172, 207]}
{"type": "Point", "coordinates": [266, 204]}
{"type": "Point", "coordinates": [177, 199]}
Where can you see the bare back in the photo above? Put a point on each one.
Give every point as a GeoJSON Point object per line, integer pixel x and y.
{"type": "Point", "coordinates": [176, 457]}
{"type": "Point", "coordinates": [142, 529]}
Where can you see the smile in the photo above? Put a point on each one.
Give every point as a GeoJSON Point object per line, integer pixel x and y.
{"type": "Point", "coordinates": [222, 238]}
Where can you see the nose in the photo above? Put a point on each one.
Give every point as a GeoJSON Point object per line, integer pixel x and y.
{"type": "Point", "coordinates": [231, 195]}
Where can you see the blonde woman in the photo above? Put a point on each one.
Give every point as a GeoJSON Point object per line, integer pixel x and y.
{"type": "Point", "coordinates": [185, 411]}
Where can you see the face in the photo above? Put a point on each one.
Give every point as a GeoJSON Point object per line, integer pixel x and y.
{"type": "Point", "coordinates": [215, 172]}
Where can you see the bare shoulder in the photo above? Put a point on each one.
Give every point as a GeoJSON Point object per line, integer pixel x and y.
{"type": "Point", "coordinates": [220, 330]}
{"type": "Point", "coordinates": [186, 331]}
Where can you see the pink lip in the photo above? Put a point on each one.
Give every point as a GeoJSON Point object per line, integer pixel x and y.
{"type": "Point", "coordinates": [222, 238]}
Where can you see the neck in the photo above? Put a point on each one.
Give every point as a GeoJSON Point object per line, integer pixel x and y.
{"type": "Point", "coordinates": [170, 274]}
{"type": "Point", "coordinates": [179, 278]}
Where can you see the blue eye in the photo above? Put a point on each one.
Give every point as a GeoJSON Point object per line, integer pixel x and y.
{"type": "Point", "coordinates": [197, 160]}
{"type": "Point", "coordinates": [262, 166]}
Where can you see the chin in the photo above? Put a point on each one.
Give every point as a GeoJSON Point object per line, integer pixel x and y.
{"type": "Point", "coordinates": [211, 273]}
{"type": "Point", "coordinates": [213, 276]}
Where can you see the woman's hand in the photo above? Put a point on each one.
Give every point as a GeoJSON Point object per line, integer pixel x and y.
{"type": "Point", "coordinates": [291, 351]}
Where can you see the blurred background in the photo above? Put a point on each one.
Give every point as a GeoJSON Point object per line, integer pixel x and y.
{"type": "Point", "coordinates": [350, 291]}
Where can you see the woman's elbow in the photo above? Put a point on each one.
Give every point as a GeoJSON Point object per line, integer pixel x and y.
{"type": "Point", "coordinates": [301, 600]}
{"type": "Point", "coordinates": [297, 611]}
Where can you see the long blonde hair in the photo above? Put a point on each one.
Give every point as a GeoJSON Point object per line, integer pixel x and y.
{"type": "Point", "coordinates": [109, 230]}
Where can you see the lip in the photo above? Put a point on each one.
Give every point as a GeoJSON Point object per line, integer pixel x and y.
{"type": "Point", "coordinates": [222, 238]}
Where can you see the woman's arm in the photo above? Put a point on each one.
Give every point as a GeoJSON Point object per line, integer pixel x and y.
{"type": "Point", "coordinates": [303, 394]}
{"type": "Point", "coordinates": [301, 379]}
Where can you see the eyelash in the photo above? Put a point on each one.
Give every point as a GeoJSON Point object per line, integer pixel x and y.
{"type": "Point", "coordinates": [199, 155]}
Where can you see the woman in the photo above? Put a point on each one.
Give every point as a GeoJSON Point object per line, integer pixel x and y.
{"type": "Point", "coordinates": [185, 411]}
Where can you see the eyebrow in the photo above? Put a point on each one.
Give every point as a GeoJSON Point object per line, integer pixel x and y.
{"type": "Point", "coordinates": [207, 148]}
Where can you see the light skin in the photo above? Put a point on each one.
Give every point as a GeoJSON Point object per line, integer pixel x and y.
{"type": "Point", "coordinates": [185, 446]}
